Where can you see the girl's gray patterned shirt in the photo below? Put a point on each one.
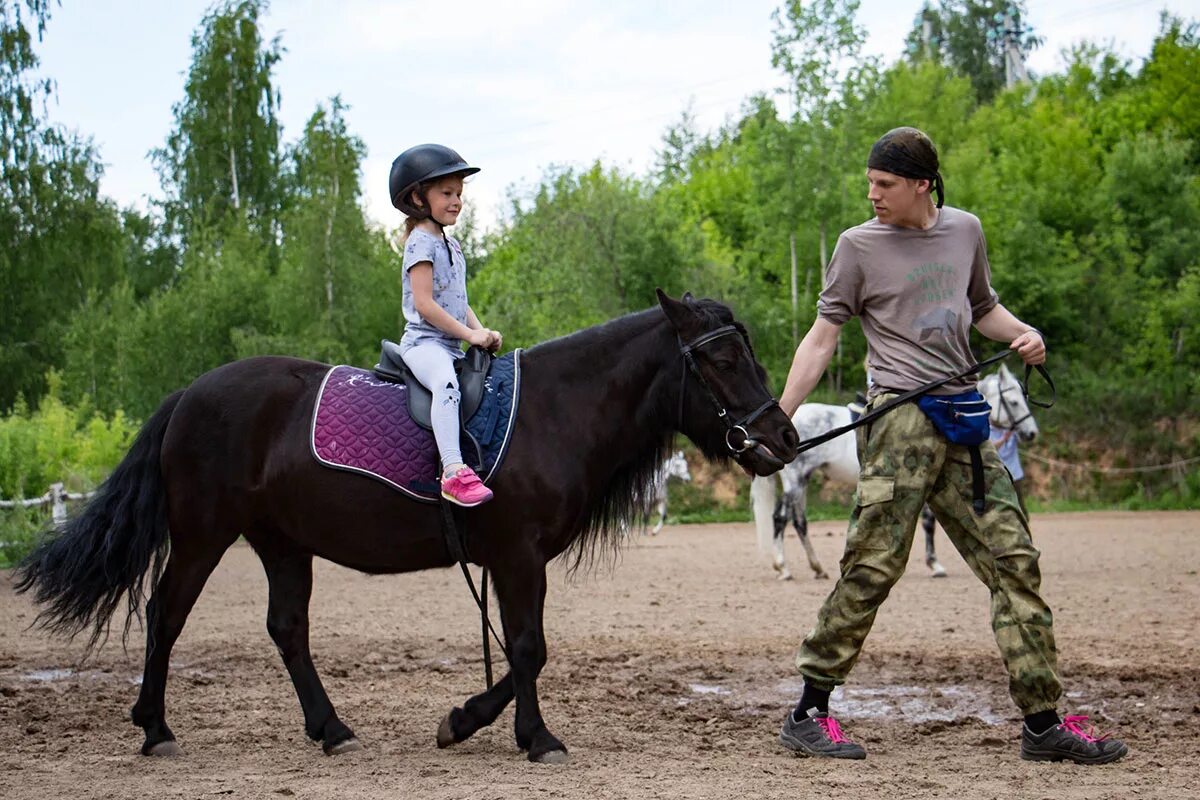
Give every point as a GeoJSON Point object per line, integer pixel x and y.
{"type": "Point", "coordinates": [449, 289]}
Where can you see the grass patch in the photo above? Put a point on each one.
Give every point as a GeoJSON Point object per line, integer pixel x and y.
{"type": "Point", "coordinates": [20, 529]}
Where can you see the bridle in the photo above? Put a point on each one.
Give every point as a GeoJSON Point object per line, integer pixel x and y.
{"type": "Point", "coordinates": [742, 425]}
{"type": "Point", "coordinates": [1014, 421]}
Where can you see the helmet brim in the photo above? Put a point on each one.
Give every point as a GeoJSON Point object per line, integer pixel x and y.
{"type": "Point", "coordinates": [460, 168]}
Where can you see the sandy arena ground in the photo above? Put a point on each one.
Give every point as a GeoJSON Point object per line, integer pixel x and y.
{"type": "Point", "coordinates": [668, 677]}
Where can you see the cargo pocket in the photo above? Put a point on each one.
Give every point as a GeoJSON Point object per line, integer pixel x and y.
{"type": "Point", "coordinates": [872, 529]}
{"type": "Point", "coordinates": [875, 490]}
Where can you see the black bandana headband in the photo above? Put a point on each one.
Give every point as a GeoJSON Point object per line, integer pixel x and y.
{"type": "Point", "coordinates": [909, 153]}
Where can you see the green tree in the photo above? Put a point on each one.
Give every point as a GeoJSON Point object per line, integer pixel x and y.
{"type": "Point", "coordinates": [221, 162]}
{"type": "Point", "coordinates": [337, 291]}
{"type": "Point", "coordinates": [588, 247]}
{"type": "Point", "coordinates": [972, 36]}
{"type": "Point", "coordinates": [818, 46]}
{"type": "Point", "coordinates": [60, 240]}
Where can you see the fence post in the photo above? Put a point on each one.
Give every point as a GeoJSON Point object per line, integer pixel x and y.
{"type": "Point", "coordinates": [58, 497]}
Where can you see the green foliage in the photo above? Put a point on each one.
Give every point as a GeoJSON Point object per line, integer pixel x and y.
{"type": "Point", "coordinates": [1085, 181]}
{"type": "Point", "coordinates": [61, 241]}
{"type": "Point", "coordinates": [970, 36]}
{"type": "Point", "coordinates": [337, 291]}
{"type": "Point", "coordinates": [588, 246]}
{"type": "Point", "coordinates": [222, 160]}
{"type": "Point", "coordinates": [57, 442]}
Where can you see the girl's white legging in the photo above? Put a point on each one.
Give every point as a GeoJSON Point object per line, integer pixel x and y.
{"type": "Point", "coordinates": [433, 366]}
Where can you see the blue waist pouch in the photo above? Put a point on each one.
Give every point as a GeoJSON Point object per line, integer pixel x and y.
{"type": "Point", "coordinates": [961, 418]}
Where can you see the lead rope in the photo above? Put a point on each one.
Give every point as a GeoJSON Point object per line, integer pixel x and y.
{"type": "Point", "coordinates": [456, 545]}
{"type": "Point", "coordinates": [908, 396]}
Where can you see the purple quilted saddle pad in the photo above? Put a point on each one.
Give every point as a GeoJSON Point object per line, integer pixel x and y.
{"type": "Point", "coordinates": [361, 424]}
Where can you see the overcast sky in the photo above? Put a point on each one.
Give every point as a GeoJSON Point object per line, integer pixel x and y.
{"type": "Point", "coordinates": [515, 86]}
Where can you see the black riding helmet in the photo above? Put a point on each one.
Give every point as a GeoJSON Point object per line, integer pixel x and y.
{"type": "Point", "coordinates": [417, 165]}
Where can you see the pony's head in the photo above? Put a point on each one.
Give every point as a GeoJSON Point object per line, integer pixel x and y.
{"type": "Point", "coordinates": [724, 405]}
{"type": "Point", "coordinates": [1010, 410]}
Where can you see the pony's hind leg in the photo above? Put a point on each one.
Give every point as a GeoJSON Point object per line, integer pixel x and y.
{"type": "Point", "coordinates": [522, 595]}
{"type": "Point", "coordinates": [799, 504]}
{"type": "Point", "coordinates": [187, 570]}
{"type": "Point", "coordinates": [289, 577]}
{"type": "Point", "coordinates": [931, 560]}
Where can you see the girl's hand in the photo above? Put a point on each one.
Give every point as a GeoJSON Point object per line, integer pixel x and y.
{"type": "Point", "coordinates": [480, 337]}
{"type": "Point", "coordinates": [497, 341]}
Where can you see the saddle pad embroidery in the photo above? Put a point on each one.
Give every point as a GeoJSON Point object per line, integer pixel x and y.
{"type": "Point", "coordinates": [361, 424]}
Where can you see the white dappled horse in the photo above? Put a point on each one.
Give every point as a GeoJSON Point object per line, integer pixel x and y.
{"type": "Point", "coordinates": [838, 461]}
{"type": "Point", "coordinates": [674, 467]}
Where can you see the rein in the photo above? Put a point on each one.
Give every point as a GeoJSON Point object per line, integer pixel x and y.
{"type": "Point", "coordinates": [456, 543]}
{"type": "Point", "coordinates": [741, 426]}
{"type": "Point", "coordinates": [909, 396]}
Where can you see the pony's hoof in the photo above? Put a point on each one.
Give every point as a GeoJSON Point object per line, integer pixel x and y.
{"type": "Point", "coordinates": [821, 576]}
{"type": "Point", "coordinates": [345, 746]}
{"type": "Point", "coordinates": [445, 736]}
{"type": "Point", "coordinates": [552, 757]}
{"type": "Point", "coordinates": [938, 571]}
{"type": "Point", "coordinates": [164, 749]}
{"type": "Point", "coordinates": [783, 575]}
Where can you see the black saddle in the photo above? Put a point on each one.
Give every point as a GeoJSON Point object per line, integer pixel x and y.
{"type": "Point", "coordinates": [471, 370]}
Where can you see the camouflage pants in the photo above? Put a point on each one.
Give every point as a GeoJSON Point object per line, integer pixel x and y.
{"type": "Point", "coordinates": [904, 463]}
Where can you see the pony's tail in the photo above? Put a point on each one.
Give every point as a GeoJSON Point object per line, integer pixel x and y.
{"type": "Point", "coordinates": [80, 571]}
{"type": "Point", "coordinates": [762, 501]}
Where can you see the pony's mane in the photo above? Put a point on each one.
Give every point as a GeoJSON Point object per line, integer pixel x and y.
{"type": "Point", "coordinates": [630, 491]}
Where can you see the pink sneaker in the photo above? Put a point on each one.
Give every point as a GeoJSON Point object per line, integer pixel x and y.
{"type": "Point", "coordinates": [465, 489]}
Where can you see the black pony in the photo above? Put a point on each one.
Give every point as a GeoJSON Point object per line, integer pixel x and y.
{"type": "Point", "coordinates": [230, 456]}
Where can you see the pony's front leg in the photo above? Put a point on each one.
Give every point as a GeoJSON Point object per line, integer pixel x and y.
{"type": "Point", "coordinates": [478, 712]}
{"type": "Point", "coordinates": [522, 595]}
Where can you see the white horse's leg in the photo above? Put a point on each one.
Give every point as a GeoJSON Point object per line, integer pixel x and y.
{"type": "Point", "coordinates": [927, 522]}
{"type": "Point", "coordinates": [766, 528]}
{"type": "Point", "coordinates": [799, 503]}
{"type": "Point", "coordinates": [662, 516]}
{"type": "Point", "coordinates": [780, 518]}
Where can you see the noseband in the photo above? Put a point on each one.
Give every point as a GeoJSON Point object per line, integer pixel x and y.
{"type": "Point", "coordinates": [742, 425]}
{"type": "Point", "coordinates": [1014, 421]}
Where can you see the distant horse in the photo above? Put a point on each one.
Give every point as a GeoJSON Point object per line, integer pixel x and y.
{"type": "Point", "coordinates": [230, 455]}
{"type": "Point", "coordinates": [838, 461]}
{"type": "Point", "coordinates": [674, 467]}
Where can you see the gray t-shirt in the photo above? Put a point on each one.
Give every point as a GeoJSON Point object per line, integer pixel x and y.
{"type": "Point", "coordinates": [449, 289]}
{"type": "Point", "coordinates": [917, 293]}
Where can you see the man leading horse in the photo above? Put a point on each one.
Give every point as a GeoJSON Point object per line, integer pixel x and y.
{"type": "Point", "coordinates": [917, 276]}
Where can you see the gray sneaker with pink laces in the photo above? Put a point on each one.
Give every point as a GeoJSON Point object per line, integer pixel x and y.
{"type": "Point", "coordinates": [1071, 740]}
{"type": "Point", "coordinates": [818, 734]}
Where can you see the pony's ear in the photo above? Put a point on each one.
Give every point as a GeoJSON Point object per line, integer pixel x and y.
{"type": "Point", "coordinates": [677, 311]}
{"type": "Point", "coordinates": [687, 297]}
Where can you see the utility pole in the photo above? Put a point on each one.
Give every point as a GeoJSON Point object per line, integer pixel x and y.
{"type": "Point", "coordinates": [1014, 56]}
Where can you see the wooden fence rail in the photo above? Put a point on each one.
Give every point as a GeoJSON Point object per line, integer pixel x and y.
{"type": "Point", "coordinates": [57, 496]}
